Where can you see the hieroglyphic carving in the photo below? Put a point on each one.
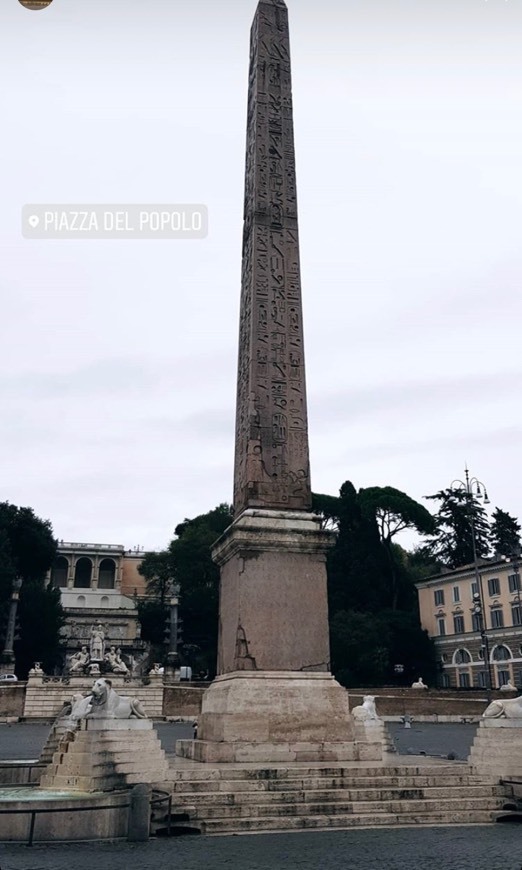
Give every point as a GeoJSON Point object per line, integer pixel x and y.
{"type": "Point", "coordinates": [272, 464]}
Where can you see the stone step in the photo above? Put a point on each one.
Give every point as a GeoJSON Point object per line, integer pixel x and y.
{"type": "Point", "coordinates": [308, 783]}
{"type": "Point", "coordinates": [227, 798]}
{"type": "Point", "coordinates": [288, 823]}
{"type": "Point", "coordinates": [358, 808]}
{"type": "Point", "coordinates": [230, 772]}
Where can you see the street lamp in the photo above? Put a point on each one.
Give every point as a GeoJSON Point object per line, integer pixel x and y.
{"type": "Point", "coordinates": [7, 659]}
{"type": "Point", "coordinates": [475, 489]}
{"type": "Point", "coordinates": [172, 662]}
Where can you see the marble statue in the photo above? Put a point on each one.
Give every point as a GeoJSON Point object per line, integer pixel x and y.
{"type": "Point", "coordinates": [97, 642]}
{"type": "Point", "coordinates": [419, 684]}
{"type": "Point", "coordinates": [157, 670]}
{"type": "Point", "coordinates": [509, 708]}
{"type": "Point", "coordinates": [79, 660]}
{"type": "Point", "coordinates": [80, 706]}
{"type": "Point", "coordinates": [508, 687]}
{"type": "Point", "coordinates": [107, 704]}
{"type": "Point", "coordinates": [36, 670]}
{"type": "Point", "coordinates": [115, 662]}
{"type": "Point", "coordinates": [365, 711]}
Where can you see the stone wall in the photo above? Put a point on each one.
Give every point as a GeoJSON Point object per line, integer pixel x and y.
{"type": "Point", "coordinates": [45, 697]}
{"type": "Point", "coordinates": [430, 704]}
{"type": "Point", "coordinates": [12, 699]}
{"type": "Point", "coordinates": [182, 702]}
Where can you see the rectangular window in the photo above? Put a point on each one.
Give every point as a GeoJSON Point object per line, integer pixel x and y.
{"type": "Point", "coordinates": [439, 597]}
{"type": "Point", "coordinates": [481, 679]}
{"type": "Point", "coordinates": [442, 626]}
{"type": "Point", "coordinates": [456, 594]}
{"type": "Point", "coordinates": [446, 682]}
{"type": "Point", "coordinates": [497, 618]}
{"type": "Point", "coordinates": [464, 681]}
{"type": "Point", "coordinates": [458, 624]}
{"type": "Point", "coordinates": [503, 678]}
{"type": "Point", "coordinates": [516, 614]}
{"type": "Point", "coordinates": [494, 586]}
{"type": "Point", "coordinates": [514, 582]}
{"type": "Point", "coordinates": [475, 622]}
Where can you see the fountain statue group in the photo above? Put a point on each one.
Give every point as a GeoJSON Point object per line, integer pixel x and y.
{"type": "Point", "coordinates": [89, 659]}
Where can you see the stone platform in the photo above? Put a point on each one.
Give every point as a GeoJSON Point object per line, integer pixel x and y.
{"type": "Point", "coordinates": [496, 752]}
{"type": "Point", "coordinates": [277, 716]}
{"type": "Point", "coordinates": [104, 754]}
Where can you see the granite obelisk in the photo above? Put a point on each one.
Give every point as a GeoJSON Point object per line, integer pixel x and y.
{"type": "Point", "coordinates": [274, 698]}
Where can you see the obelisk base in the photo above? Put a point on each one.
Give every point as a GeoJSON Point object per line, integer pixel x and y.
{"type": "Point", "coordinates": [277, 716]}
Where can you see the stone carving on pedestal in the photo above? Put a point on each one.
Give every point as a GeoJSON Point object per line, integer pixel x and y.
{"type": "Point", "coordinates": [508, 708]}
{"type": "Point", "coordinates": [366, 711]}
{"type": "Point", "coordinates": [107, 704]}
{"type": "Point", "coordinates": [97, 644]}
{"type": "Point", "coordinates": [419, 684]}
{"type": "Point", "coordinates": [115, 662]}
{"type": "Point", "coordinates": [508, 687]}
{"type": "Point", "coordinates": [79, 661]}
{"type": "Point", "coordinates": [36, 670]}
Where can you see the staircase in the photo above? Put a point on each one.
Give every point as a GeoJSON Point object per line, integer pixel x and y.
{"type": "Point", "coordinates": [217, 800]}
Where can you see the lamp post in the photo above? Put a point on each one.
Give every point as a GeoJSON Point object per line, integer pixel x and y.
{"type": "Point", "coordinates": [475, 489]}
{"type": "Point", "coordinates": [172, 662]}
{"type": "Point", "coordinates": [7, 659]}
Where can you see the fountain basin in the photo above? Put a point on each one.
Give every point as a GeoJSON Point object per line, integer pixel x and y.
{"type": "Point", "coordinates": [55, 814]}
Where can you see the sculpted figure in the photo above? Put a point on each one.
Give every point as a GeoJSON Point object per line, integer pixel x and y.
{"type": "Point", "coordinates": [419, 684]}
{"type": "Point", "coordinates": [107, 704]}
{"type": "Point", "coordinates": [510, 708]}
{"type": "Point", "coordinates": [115, 661]}
{"type": "Point", "coordinates": [508, 687]}
{"type": "Point", "coordinates": [365, 711]}
{"type": "Point", "coordinates": [97, 642]}
{"type": "Point", "coordinates": [79, 660]}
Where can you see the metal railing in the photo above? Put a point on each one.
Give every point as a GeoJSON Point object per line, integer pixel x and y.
{"type": "Point", "coordinates": [164, 797]}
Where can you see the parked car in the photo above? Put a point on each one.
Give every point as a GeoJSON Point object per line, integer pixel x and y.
{"type": "Point", "coordinates": [8, 678]}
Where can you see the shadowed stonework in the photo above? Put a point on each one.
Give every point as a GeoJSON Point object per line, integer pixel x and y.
{"type": "Point", "coordinates": [271, 464]}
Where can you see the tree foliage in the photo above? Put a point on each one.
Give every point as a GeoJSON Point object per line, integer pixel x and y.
{"type": "Point", "coordinates": [505, 533]}
{"type": "Point", "coordinates": [27, 550]}
{"type": "Point", "coordinates": [459, 514]}
{"type": "Point", "coordinates": [188, 563]}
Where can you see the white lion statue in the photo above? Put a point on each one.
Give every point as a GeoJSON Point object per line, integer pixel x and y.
{"type": "Point", "coordinates": [419, 684]}
{"type": "Point", "coordinates": [510, 708]}
{"type": "Point", "coordinates": [105, 703]}
{"type": "Point", "coordinates": [365, 711]}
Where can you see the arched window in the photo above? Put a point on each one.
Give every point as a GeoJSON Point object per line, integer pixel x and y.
{"type": "Point", "coordinates": [106, 574]}
{"type": "Point", "coordinates": [462, 657]}
{"type": "Point", "coordinates": [501, 654]}
{"type": "Point", "coordinates": [59, 572]}
{"type": "Point", "coordinates": [83, 573]}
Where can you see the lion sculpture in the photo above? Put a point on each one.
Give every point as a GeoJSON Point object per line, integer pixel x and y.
{"type": "Point", "coordinates": [510, 708]}
{"type": "Point", "coordinates": [366, 711]}
{"type": "Point", "coordinates": [105, 703]}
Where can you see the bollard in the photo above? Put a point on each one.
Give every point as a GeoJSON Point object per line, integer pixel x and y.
{"type": "Point", "coordinates": [139, 814]}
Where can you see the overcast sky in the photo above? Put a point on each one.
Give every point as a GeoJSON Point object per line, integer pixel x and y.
{"type": "Point", "coordinates": [117, 384]}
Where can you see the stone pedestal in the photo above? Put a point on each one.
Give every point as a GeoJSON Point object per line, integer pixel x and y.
{"type": "Point", "coordinates": [103, 754]}
{"type": "Point", "coordinates": [496, 751]}
{"type": "Point", "coordinates": [273, 600]}
{"type": "Point", "coordinates": [277, 716]}
{"type": "Point", "coordinates": [275, 699]}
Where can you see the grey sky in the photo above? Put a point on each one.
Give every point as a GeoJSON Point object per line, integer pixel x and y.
{"type": "Point", "coordinates": [118, 380]}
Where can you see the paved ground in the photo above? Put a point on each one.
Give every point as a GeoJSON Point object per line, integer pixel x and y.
{"type": "Point", "coordinates": [473, 848]}
{"type": "Point", "coordinates": [25, 740]}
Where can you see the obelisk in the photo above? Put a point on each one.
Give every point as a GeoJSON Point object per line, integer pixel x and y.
{"type": "Point", "coordinates": [274, 698]}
